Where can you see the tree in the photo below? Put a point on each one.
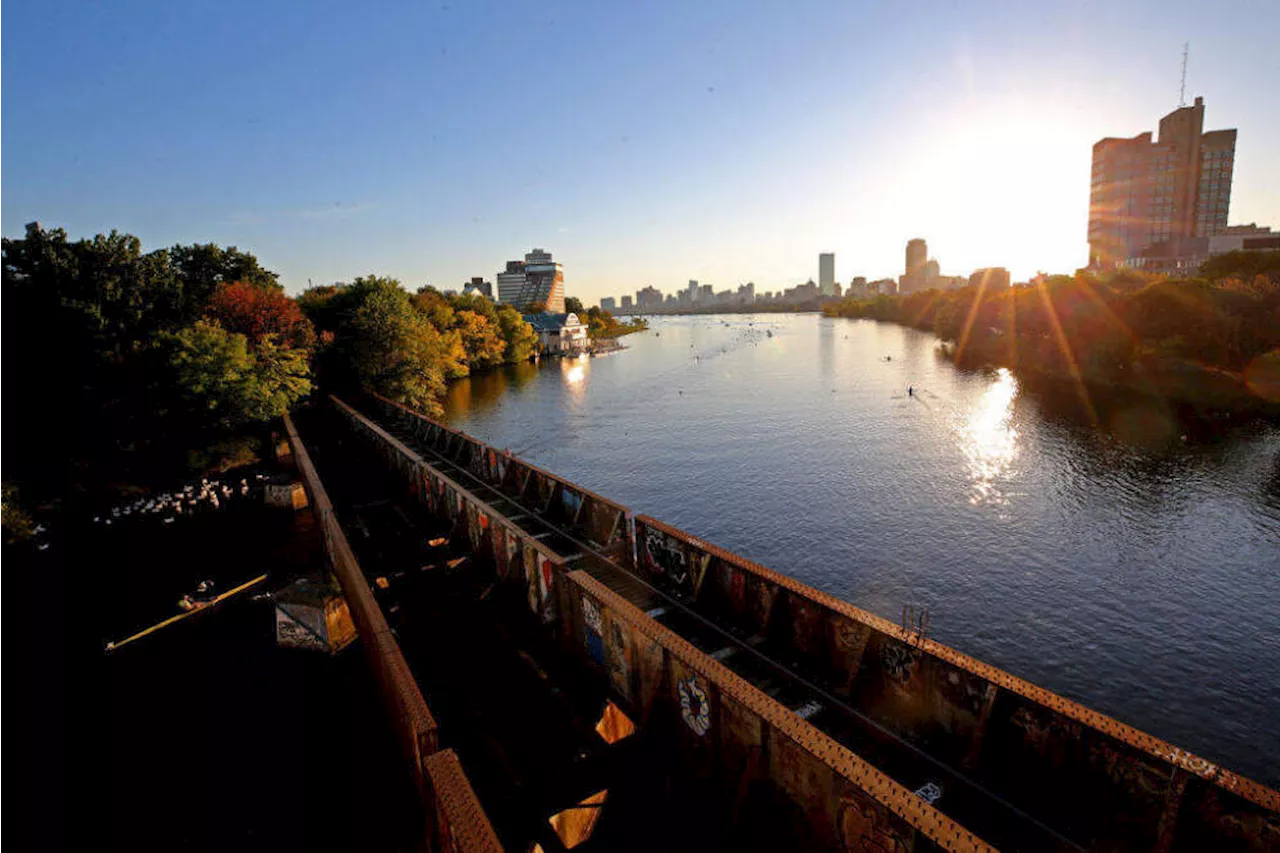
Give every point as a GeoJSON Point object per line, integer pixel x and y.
{"type": "Point", "coordinates": [390, 348]}
{"type": "Point", "coordinates": [433, 305]}
{"type": "Point", "coordinates": [481, 339]}
{"type": "Point", "coordinates": [231, 384]}
{"type": "Point", "coordinates": [1242, 265]}
{"type": "Point", "coordinates": [14, 520]}
{"type": "Point", "coordinates": [203, 266]}
{"type": "Point", "coordinates": [573, 305]}
{"type": "Point", "coordinates": [255, 312]}
{"type": "Point", "coordinates": [521, 340]}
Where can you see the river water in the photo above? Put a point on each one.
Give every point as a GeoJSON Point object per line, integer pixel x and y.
{"type": "Point", "coordinates": [1109, 553]}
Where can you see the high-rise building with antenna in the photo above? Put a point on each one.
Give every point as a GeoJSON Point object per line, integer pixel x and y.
{"type": "Point", "coordinates": [1146, 191]}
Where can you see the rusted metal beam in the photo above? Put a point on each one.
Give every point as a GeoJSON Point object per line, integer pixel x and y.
{"type": "Point", "coordinates": [461, 822]}
{"type": "Point", "coordinates": [931, 823]}
{"type": "Point", "coordinates": [1160, 749]}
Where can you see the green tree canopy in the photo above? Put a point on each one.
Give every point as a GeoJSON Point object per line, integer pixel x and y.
{"type": "Point", "coordinates": [231, 384]}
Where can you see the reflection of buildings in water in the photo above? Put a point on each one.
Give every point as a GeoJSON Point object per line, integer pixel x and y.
{"type": "Point", "coordinates": [989, 440]}
{"type": "Point", "coordinates": [826, 345]}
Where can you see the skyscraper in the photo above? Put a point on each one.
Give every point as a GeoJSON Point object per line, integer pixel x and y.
{"type": "Point", "coordinates": [916, 275]}
{"type": "Point", "coordinates": [827, 274]}
{"type": "Point", "coordinates": [917, 255]}
{"type": "Point", "coordinates": [537, 280]}
{"type": "Point", "coordinates": [1144, 192]}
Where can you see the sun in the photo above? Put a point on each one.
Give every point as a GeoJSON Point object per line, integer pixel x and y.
{"type": "Point", "coordinates": [1002, 187]}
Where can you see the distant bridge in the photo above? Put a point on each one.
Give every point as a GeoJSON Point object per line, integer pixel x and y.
{"type": "Point", "coordinates": [568, 648]}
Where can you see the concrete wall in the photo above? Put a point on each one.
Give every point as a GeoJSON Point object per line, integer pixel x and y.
{"type": "Point", "coordinates": [414, 725]}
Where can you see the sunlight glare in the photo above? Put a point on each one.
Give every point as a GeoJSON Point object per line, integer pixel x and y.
{"type": "Point", "coordinates": [990, 441]}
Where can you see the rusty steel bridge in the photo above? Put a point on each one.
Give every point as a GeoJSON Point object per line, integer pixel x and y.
{"type": "Point", "coordinates": [563, 673]}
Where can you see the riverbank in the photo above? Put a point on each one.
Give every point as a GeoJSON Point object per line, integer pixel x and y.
{"type": "Point", "coordinates": [1205, 348]}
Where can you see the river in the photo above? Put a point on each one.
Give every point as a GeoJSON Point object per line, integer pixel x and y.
{"type": "Point", "coordinates": [1109, 553]}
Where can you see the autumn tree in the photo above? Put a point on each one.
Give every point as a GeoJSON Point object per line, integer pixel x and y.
{"type": "Point", "coordinates": [481, 339]}
{"type": "Point", "coordinates": [387, 346]}
{"type": "Point", "coordinates": [85, 317]}
{"type": "Point", "coordinates": [521, 340]}
{"type": "Point", "coordinates": [256, 312]}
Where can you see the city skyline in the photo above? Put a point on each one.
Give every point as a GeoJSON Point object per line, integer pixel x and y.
{"type": "Point", "coordinates": [681, 143]}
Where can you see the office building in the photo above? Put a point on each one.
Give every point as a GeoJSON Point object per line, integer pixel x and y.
{"type": "Point", "coordinates": [478, 285]}
{"type": "Point", "coordinates": [1183, 257]}
{"type": "Point", "coordinates": [990, 278]}
{"type": "Point", "coordinates": [537, 280]}
{"type": "Point", "coordinates": [917, 255]}
{"type": "Point", "coordinates": [1145, 191]}
{"type": "Point", "coordinates": [648, 299]}
{"type": "Point", "coordinates": [921, 272]}
{"type": "Point", "coordinates": [827, 274]}
{"type": "Point", "coordinates": [608, 303]}
{"type": "Point", "coordinates": [626, 304]}
{"type": "Point", "coordinates": [692, 290]}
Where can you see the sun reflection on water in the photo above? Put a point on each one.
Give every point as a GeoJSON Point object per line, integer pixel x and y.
{"type": "Point", "coordinates": [574, 371]}
{"type": "Point", "coordinates": [989, 440]}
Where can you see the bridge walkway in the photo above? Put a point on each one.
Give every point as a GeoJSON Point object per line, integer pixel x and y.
{"type": "Point", "coordinates": [965, 798]}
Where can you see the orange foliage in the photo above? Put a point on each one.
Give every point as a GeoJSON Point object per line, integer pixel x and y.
{"type": "Point", "coordinates": [256, 312]}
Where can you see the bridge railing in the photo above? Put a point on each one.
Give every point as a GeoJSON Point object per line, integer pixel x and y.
{"type": "Point", "coordinates": [602, 523]}
{"type": "Point", "coordinates": [1050, 756]}
{"type": "Point", "coordinates": [728, 736]}
{"type": "Point", "coordinates": [414, 725]}
{"type": "Point", "coordinates": [515, 553]}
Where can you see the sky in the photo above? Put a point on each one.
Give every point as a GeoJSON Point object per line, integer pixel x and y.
{"type": "Point", "coordinates": [641, 143]}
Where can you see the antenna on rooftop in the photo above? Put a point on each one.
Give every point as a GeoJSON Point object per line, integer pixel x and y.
{"type": "Point", "coordinates": [1182, 90]}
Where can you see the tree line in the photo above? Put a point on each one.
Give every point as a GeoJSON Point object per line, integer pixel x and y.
{"type": "Point", "coordinates": [602, 324]}
{"type": "Point", "coordinates": [126, 365]}
{"type": "Point", "coordinates": [377, 336]}
{"type": "Point", "coordinates": [1212, 341]}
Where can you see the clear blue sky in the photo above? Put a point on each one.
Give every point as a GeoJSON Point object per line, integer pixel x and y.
{"type": "Point", "coordinates": [642, 143]}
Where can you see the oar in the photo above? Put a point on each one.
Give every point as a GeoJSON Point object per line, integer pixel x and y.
{"type": "Point", "coordinates": [111, 647]}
